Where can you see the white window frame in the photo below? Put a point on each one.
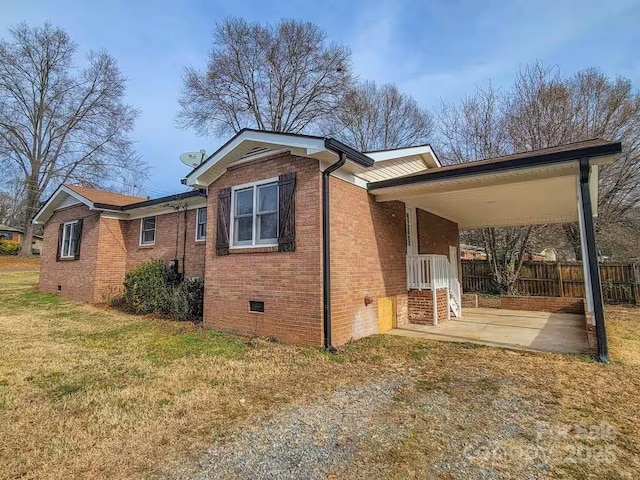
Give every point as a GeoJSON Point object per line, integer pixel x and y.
{"type": "Point", "coordinates": [411, 230]}
{"type": "Point", "coordinates": [198, 238]}
{"type": "Point", "coordinates": [155, 230]}
{"type": "Point", "coordinates": [254, 241]}
{"type": "Point", "coordinates": [70, 253]}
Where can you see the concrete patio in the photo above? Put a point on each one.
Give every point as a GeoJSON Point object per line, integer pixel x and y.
{"type": "Point", "coordinates": [540, 331]}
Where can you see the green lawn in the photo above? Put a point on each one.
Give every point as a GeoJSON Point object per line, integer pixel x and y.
{"type": "Point", "coordinates": [91, 392]}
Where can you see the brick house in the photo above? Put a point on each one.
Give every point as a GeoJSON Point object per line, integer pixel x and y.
{"type": "Point", "coordinates": [92, 237]}
{"type": "Point", "coordinates": [313, 242]}
{"type": "Point", "coordinates": [16, 235]}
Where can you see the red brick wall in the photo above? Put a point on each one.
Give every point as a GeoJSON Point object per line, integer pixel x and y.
{"type": "Point", "coordinates": [443, 305]}
{"type": "Point", "coordinates": [110, 248]}
{"type": "Point", "coordinates": [421, 306]}
{"type": "Point", "coordinates": [76, 277]}
{"type": "Point", "coordinates": [196, 250]}
{"type": "Point", "coordinates": [469, 300]}
{"type": "Point", "coordinates": [111, 259]}
{"type": "Point", "coordinates": [368, 251]}
{"type": "Point", "coordinates": [165, 245]}
{"type": "Point", "coordinates": [290, 283]}
{"type": "Point", "coordinates": [436, 234]}
{"type": "Point", "coordinates": [535, 304]}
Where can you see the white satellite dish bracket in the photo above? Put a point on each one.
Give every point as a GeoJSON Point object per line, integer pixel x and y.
{"type": "Point", "coordinates": [193, 159]}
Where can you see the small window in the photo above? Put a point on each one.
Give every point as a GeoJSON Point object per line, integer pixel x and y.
{"type": "Point", "coordinates": [148, 231]}
{"type": "Point", "coordinates": [69, 239]}
{"type": "Point", "coordinates": [255, 214]}
{"type": "Point", "coordinates": [201, 224]}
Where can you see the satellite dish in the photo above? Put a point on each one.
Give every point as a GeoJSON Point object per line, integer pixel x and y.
{"type": "Point", "coordinates": [192, 159]}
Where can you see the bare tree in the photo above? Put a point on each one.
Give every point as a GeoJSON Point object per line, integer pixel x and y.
{"type": "Point", "coordinates": [546, 109]}
{"type": "Point", "coordinates": [373, 117]}
{"type": "Point", "coordinates": [475, 129]}
{"type": "Point", "coordinates": [282, 77]}
{"type": "Point", "coordinates": [60, 123]}
{"type": "Point", "coordinates": [543, 109]}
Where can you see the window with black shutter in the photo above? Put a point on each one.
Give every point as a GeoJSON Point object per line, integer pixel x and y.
{"type": "Point", "coordinates": [223, 219]}
{"type": "Point", "coordinates": [258, 214]}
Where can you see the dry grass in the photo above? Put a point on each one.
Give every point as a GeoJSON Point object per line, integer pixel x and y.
{"type": "Point", "coordinates": [12, 262]}
{"type": "Point", "coordinates": [88, 392]}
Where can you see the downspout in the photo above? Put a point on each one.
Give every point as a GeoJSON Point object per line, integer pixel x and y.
{"type": "Point", "coordinates": [592, 258]}
{"type": "Point", "coordinates": [326, 251]}
{"type": "Point", "coordinates": [184, 241]}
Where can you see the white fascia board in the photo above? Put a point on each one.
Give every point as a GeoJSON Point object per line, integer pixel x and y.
{"type": "Point", "coordinates": [383, 155]}
{"type": "Point", "coordinates": [47, 209]}
{"type": "Point", "coordinates": [309, 145]}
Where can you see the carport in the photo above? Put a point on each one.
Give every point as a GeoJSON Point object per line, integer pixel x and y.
{"type": "Point", "coordinates": [553, 185]}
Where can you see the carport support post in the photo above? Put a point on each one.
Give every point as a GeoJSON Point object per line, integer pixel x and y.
{"type": "Point", "coordinates": [593, 287]}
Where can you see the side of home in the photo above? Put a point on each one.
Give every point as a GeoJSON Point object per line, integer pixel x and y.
{"type": "Point", "coordinates": [89, 245]}
{"type": "Point", "coordinates": [313, 242]}
{"type": "Point", "coordinates": [260, 283]}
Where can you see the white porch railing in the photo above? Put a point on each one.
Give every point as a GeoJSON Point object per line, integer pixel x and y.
{"type": "Point", "coordinates": [431, 272]}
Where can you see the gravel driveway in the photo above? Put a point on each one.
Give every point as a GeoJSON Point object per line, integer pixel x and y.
{"type": "Point", "coordinates": [360, 432]}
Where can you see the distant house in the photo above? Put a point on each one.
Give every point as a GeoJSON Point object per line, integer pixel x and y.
{"type": "Point", "coordinates": [15, 235]}
{"type": "Point", "coordinates": [310, 241]}
{"type": "Point", "coordinates": [471, 252]}
{"type": "Point", "coordinates": [10, 233]}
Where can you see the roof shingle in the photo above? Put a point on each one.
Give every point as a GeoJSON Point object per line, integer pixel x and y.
{"type": "Point", "coordinates": [103, 196]}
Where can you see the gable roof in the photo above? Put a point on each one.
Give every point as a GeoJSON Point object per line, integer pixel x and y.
{"type": "Point", "coordinates": [106, 197]}
{"type": "Point", "coordinates": [249, 144]}
{"type": "Point", "coordinates": [104, 200]}
{"type": "Point", "coordinates": [248, 141]}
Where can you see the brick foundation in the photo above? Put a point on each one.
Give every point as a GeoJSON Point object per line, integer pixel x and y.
{"type": "Point", "coordinates": [469, 300]}
{"type": "Point", "coordinates": [420, 306]}
{"type": "Point", "coordinates": [533, 304]}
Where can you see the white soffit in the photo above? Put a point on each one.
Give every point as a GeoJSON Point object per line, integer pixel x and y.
{"type": "Point", "coordinates": [397, 167]}
{"type": "Point", "coordinates": [424, 152]}
{"type": "Point", "coordinates": [517, 197]}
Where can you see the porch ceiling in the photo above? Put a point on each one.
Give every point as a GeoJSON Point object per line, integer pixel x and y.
{"type": "Point", "coordinates": [512, 202]}
{"type": "Point", "coordinates": [516, 190]}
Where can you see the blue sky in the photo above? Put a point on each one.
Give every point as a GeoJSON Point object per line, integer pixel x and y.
{"type": "Point", "coordinates": [435, 50]}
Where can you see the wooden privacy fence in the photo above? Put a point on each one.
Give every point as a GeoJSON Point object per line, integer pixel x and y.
{"type": "Point", "coordinates": [620, 281]}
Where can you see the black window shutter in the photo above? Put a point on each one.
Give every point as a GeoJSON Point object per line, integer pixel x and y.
{"type": "Point", "coordinates": [60, 233]}
{"type": "Point", "coordinates": [287, 212]}
{"type": "Point", "coordinates": [224, 217]}
{"type": "Point", "coordinates": [78, 234]}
